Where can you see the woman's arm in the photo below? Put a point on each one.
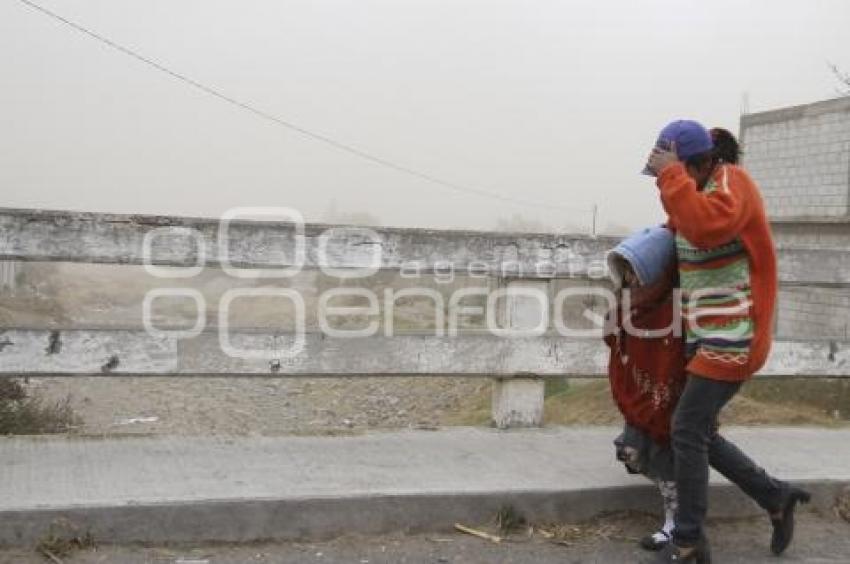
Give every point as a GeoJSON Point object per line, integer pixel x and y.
{"type": "Point", "coordinates": [704, 219]}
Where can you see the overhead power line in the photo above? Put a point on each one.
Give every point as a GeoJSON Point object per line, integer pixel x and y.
{"type": "Point", "coordinates": [292, 126]}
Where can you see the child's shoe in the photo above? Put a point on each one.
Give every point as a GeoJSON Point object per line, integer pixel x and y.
{"type": "Point", "coordinates": [656, 541]}
{"type": "Point", "coordinates": [673, 554]}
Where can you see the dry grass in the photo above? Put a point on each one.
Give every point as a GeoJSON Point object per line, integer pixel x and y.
{"type": "Point", "coordinates": [24, 414]}
{"type": "Point", "coordinates": [594, 530]}
{"type": "Point", "coordinates": [510, 525]}
{"type": "Point", "coordinates": [509, 520]}
{"type": "Point", "coordinates": [588, 402]}
{"type": "Point", "coordinates": [842, 504]}
{"type": "Point", "coordinates": [62, 539]}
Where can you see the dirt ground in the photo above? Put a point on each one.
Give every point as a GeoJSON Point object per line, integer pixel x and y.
{"type": "Point", "coordinates": [258, 406]}
{"type": "Point", "coordinates": [820, 539]}
{"type": "Point", "coordinates": [588, 402]}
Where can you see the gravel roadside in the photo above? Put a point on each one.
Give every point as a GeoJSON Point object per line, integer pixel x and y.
{"type": "Point", "coordinates": [821, 539]}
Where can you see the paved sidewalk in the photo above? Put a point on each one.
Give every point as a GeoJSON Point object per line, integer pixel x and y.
{"type": "Point", "coordinates": [249, 488]}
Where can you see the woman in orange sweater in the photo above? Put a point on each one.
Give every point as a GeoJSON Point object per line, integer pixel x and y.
{"type": "Point", "coordinates": [727, 274]}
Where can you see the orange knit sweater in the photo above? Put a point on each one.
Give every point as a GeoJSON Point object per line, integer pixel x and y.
{"type": "Point", "coordinates": [727, 265]}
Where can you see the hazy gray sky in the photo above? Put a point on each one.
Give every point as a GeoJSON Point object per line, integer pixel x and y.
{"type": "Point", "coordinates": [557, 102]}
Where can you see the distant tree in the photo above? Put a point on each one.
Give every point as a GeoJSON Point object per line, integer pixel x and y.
{"type": "Point", "coordinates": [333, 214]}
{"type": "Point", "coordinates": [616, 229]}
{"type": "Point", "coordinates": [843, 79]}
{"type": "Point", "coordinates": [517, 223]}
{"type": "Point", "coordinates": [362, 219]}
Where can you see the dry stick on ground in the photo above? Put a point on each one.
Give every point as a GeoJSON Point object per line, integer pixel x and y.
{"type": "Point", "coordinates": [477, 533]}
{"type": "Point", "coordinates": [50, 555]}
{"type": "Point", "coordinates": [546, 534]}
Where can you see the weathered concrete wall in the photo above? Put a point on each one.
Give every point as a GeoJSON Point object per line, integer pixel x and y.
{"type": "Point", "coordinates": [44, 235]}
{"type": "Point", "coordinates": [806, 273]}
{"type": "Point", "coordinates": [39, 235]}
{"type": "Point", "coordinates": [800, 157]}
{"type": "Point", "coordinates": [137, 353]}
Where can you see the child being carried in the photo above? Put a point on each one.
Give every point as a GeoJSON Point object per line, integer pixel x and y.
{"type": "Point", "coordinates": [646, 366]}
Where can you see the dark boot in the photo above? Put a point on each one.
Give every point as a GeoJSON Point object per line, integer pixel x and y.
{"type": "Point", "coordinates": [783, 527]}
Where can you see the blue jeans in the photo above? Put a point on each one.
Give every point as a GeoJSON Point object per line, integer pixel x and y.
{"type": "Point", "coordinates": [697, 443]}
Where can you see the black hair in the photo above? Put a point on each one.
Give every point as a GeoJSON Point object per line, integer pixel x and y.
{"type": "Point", "coordinates": [726, 150]}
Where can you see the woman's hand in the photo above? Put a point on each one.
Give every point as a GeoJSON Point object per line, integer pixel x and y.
{"type": "Point", "coordinates": [660, 158]}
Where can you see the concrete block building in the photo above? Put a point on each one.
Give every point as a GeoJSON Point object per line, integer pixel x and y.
{"type": "Point", "coordinates": [800, 158]}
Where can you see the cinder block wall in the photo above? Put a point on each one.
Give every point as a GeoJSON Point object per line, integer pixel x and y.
{"type": "Point", "coordinates": [800, 158]}
{"type": "Point", "coordinates": [813, 313]}
{"type": "Point", "coordinates": [810, 233]}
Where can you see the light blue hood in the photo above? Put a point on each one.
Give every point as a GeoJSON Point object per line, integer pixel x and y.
{"type": "Point", "coordinates": [650, 252]}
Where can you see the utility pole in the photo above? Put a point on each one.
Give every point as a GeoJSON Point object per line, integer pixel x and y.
{"type": "Point", "coordinates": [745, 102]}
{"type": "Point", "coordinates": [593, 223]}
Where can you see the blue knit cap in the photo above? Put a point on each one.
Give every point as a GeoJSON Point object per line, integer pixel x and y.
{"type": "Point", "coordinates": [650, 252]}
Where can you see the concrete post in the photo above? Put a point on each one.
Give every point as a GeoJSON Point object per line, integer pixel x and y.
{"type": "Point", "coordinates": [8, 274]}
{"type": "Point", "coordinates": [518, 401]}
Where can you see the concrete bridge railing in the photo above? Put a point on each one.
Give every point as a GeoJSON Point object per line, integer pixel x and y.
{"type": "Point", "coordinates": [517, 272]}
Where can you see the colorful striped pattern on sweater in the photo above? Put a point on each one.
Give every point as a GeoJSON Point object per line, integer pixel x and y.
{"type": "Point", "coordinates": [716, 299]}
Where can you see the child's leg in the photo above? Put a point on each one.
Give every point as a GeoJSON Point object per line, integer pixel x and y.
{"type": "Point", "coordinates": [669, 499]}
{"type": "Point", "coordinates": [660, 538]}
